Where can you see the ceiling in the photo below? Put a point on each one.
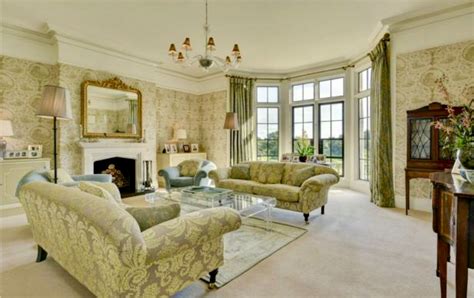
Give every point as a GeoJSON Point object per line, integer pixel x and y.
{"type": "Point", "coordinates": [274, 36]}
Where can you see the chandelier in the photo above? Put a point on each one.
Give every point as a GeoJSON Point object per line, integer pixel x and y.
{"type": "Point", "coordinates": [207, 60]}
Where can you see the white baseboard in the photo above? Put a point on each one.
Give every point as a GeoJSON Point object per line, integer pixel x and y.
{"type": "Point", "coordinates": [415, 203]}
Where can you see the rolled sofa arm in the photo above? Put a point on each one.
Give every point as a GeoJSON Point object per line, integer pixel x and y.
{"type": "Point", "coordinates": [152, 215]}
{"type": "Point", "coordinates": [219, 174]}
{"type": "Point", "coordinates": [168, 174]}
{"type": "Point", "coordinates": [315, 183]}
{"type": "Point", "coordinates": [204, 172]}
{"type": "Point", "coordinates": [93, 177]}
{"type": "Point", "coordinates": [190, 230]}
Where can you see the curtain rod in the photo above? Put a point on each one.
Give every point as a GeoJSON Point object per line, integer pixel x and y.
{"type": "Point", "coordinates": [385, 38]}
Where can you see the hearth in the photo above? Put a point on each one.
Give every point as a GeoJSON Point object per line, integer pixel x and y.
{"type": "Point", "coordinates": [123, 172]}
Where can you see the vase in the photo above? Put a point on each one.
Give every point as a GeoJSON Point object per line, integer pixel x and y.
{"type": "Point", "coordinates": [465, 156]}
{"type": "Point", "coordinates": [303, 158]}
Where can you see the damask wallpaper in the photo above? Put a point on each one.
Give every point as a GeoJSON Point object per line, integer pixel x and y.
{"type": "Point", "coordinates": [416, 73]}
{"type": "Point", "coordinates": [21, 88]}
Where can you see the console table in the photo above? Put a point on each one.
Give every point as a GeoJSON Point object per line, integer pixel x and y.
{"type": "Point", "coordinates": [453, 221]}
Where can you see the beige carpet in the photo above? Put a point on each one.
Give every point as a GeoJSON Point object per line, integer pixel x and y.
{"type": "Point", "coordinates": [355, 249]}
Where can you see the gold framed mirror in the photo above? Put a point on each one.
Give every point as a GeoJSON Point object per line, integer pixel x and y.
{"type": "Point", "coordinates": [111, 109]}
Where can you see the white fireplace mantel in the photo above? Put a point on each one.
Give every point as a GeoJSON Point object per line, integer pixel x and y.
{"type": "Point", "coordinates": [92, 152]}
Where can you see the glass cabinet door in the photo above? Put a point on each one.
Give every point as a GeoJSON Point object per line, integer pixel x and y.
{"type": "Point", "coordinates": [420, 136]}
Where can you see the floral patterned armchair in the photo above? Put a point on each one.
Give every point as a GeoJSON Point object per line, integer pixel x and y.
{"type": "Point", "coordinates": [101, 244]}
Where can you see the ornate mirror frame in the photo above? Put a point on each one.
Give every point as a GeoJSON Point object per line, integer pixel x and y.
{"type": "Point", "coordinates": [116, 84]}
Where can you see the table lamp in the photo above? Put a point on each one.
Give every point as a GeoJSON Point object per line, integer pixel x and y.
{"type": "Point", "coordinates": [5, 131]}
{"type": "Point", "coordinates": [55, 104]}
{"type": "Point", "coordinates": [181, 135]}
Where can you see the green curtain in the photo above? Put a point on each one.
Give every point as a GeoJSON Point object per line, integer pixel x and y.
{"type": "Point", "coordinates": [381, 173]}
{"type": "Point", "coordinates": [241, 102]}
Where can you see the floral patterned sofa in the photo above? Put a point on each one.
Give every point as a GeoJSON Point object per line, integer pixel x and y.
{"type": "Point", "coordinates": [298, 187]}
{"type": "Point", "coordinates": [113, 250]}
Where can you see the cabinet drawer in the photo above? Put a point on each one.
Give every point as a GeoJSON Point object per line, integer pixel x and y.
{"type": "Point", "coordinates": [447, 220]}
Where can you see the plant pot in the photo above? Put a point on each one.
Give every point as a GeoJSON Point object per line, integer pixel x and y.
{"type": "Point", "coordinates": [303, 158]}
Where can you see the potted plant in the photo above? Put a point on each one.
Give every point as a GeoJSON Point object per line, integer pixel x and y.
{"type": "Point", "coordinates": [304, 149]}
{"type": "Point", "coordinates": [458, 130]}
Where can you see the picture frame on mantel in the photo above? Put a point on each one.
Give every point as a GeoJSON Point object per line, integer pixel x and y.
{"type": "Point", "coordinates": [194, 148]}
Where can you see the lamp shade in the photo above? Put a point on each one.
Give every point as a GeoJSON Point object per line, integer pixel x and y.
{"type": "Point", "coordinates": [231, 121]}
{"type": "Point", "coordinates": [181, 134]}
{"type": "Point", "coordinates": [56, 102]}
{"type": "Point", "coordinates": [6, 128]}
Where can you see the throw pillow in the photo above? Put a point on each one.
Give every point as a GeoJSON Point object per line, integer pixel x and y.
{"type": "Point", "coordinates": [97, 191]}
{"type": "Point", "coordinates": [301, 175]}
{"type": "Point", "coordinates": [63, 176]}
{"type": "Point", "coordinates": [189, 168]}
{"type": "Point", "coordinates": [271, 172]}
{"type": "Point", "coordinates": [240, 171]}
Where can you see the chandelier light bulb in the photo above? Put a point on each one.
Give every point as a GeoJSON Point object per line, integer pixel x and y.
{"type": "Point", "coordinates": [180, 57]}
{"type": "Point", "coordinates": [172, 50]}
{"type": "Point", "coordinates": [211, 44]}
{"type": "Point", "coordinates": [187, 44]}
{"type": "Point", "coordinates": [236, 50]}
{"type": "Point", "coordinates": [239, 59]}
{"type": "Point", "coordinates": [227, 60]}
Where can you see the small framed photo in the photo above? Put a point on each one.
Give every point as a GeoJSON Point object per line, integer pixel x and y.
{"type": "Point", "coordinates": [194, 147]}
{"type": "Point", "coordinates": [35, 147]}
{"type": "Point", "coordinates": [295, 158]}
{"type": "Point", "coordinates": [186, 148]}
{"type": "Point", "coordinates": [173, 148]}
{"type": "Point", "coordinates": [34, 154]}
{"type": "Point", "coordinates": [167, 148]}
{"type": "Point", "coordinates": [286, 157]}
{"type": "Point", "coordinates": [10, 154]}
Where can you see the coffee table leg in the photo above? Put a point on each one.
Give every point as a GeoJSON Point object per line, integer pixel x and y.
{"type": "Point", "coordinates": [268, 218]}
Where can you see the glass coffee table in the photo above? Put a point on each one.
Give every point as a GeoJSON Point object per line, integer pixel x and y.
{"type": "Point", "coordinates": [201, 197]}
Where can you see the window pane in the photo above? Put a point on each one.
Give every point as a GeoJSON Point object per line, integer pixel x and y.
{"type": "Point", "coordinates": [325, 89]}
{"type": "Point", "coordinates": [273, 131]}
{"type": "Point", "coordinates": [272, 94]}
{"type": "Point", "coordinates": [308, 114]}
{"type": "Point", "coordinates": [273, 148]}
{"type": "Point", "coordinates": [369, 77]}
{"type": "Point", "coordinates": [336, 110]}
{"type": "Point", "coordinates": [261, 94]}
{"type": "Point", "coordinates": [325, 112]}
{"type": "Point", "coordinates": [262, 131]}
{"type": "Point", "coordinates": [298, 115]}
{"type": "Point", "coordinates": [363, 80]}
{"type": "Point", "coordinates": [327, 147]}
{"type": "Point", "coordinates": [337, 87]}
{"type": "Point", "coordinates": [337, 164]}
{"type": "Point", "coordinates": [336, 148]}
{"type": "Point", "coordinates": [308, 91]}
{"type": "Point", "coordinates": [261, 115]}
{"type": "Point", "coordinates": [261, 148]}
{"type": "Point", "coordinates": [336, 130]}
{"type": "Point", "coordinates": [298, 131]}
{"type": "Point", "coordinates": [362, 149]}
{"type": "Point", "coordinates": [308, 130]}
{"type": "Point", "coordinates": [325, 130]}
{"type": "Point", "coordinates": [273, 115]}
{"type": "Point", "coordinates": [297, 92]}
{"type": "Point", "coordinates": [362, 168]}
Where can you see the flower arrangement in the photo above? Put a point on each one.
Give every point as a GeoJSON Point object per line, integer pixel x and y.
{"type": "Point", "coordinates": [304, 148]}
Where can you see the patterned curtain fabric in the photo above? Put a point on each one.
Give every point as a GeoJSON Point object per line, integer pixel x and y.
{"type": "Point", "coordinates": [241, 102]}
{"type": "Point", "coordinates": [381, 176]}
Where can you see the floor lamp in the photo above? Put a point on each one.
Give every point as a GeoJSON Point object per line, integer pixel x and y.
{"type": "Point", "coordinates": [231, 123]}
{"type": "Point", "coordinates": [55, 104]}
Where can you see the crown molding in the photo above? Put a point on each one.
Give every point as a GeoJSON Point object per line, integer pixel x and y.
{"type": "Point", "coordinates": [427, 16]}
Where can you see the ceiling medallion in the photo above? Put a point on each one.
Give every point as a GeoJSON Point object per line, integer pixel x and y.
{"type": "Point", "coordinates": [207, 60]}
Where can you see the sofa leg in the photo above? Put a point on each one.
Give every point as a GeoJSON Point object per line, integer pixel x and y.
{"type": "Point", "coordinates": [322, 209]}
{"type": "Point", "coordinates": [306, 218]}
{"type": "Point", "coordinates": [42, 254]}
{"type": "Point", "coordinates": [212, 278]}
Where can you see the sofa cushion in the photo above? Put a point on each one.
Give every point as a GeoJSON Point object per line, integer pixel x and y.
{"type": "Point", "coordinates": [238, 185]}
{"type": "Point", "coordinates": [301, 175]}
{"type": "Point", "coordinates": [189, 168]}
{"type": "Point", "coordinates": [290, 169]}
{"type": "Point", "coordinates": [271, 172]}
{"type": "Point", "coordinates": [240, 171]}
{"type": "Point", "coordinates": [63, 176]}
{"type": "Point", "coordinates": [182, 181]}
{"type": "Point", "coordinates": [97, 191]}
{"type": "Point", "coordinates": [281, 192]}
{"type": "Point", "coordinates": [255, 170]}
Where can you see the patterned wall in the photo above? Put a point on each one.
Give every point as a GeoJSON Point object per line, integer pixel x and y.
{"type": "Point", "coordinates": [21, 85]}
{"type": "Point", "coordinates": [416, 73]}
{"type": "Point", "coordinates": [214, 139]}
{"type": "Point", "coordinates": [21, 88]}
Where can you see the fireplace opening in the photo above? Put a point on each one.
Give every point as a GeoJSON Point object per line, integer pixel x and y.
{"type": "Point", "coordinates": [122, 171]}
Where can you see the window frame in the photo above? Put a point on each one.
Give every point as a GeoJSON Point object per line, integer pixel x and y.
{"type": "Point", "coordinates": [292, 93]}
{"type": "Point", "coordinates": [330, 79]}
{"type": "Point", "coordinates": [267, 102]}
{"type": "Point", "coordinates": [267, 139]}
{"type": "Point", "coordinates": [320, 140]}
{"type": "Point", "coordinates": [358, 96]}
{"type": "Point", "coordinates": [293, 139]}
